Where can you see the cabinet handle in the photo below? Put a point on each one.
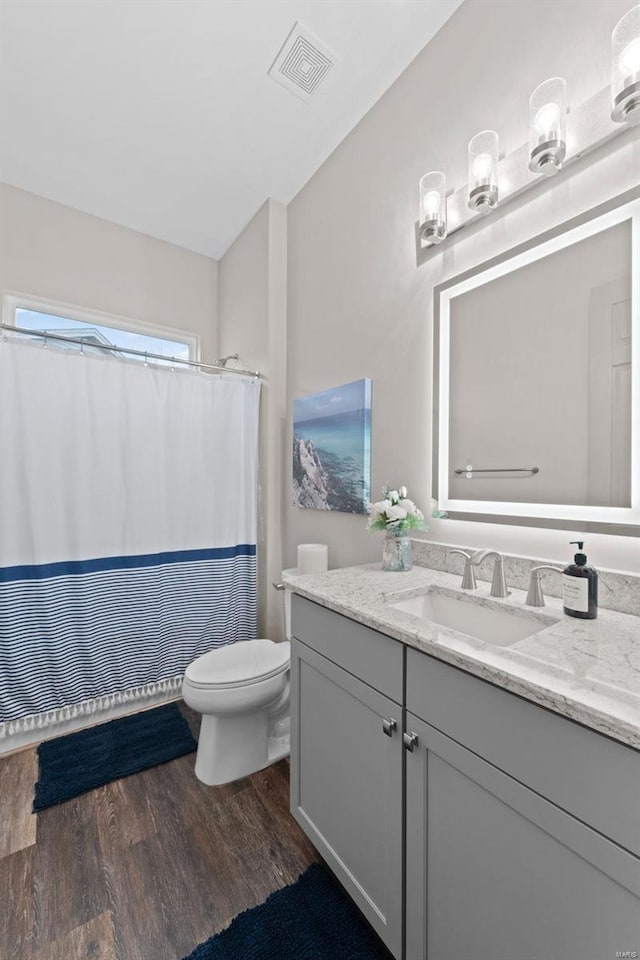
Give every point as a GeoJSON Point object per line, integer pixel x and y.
{"type": "Point", "coordinates": [410, 741]}
{"type": "Point", "coordinates": [389, 726]}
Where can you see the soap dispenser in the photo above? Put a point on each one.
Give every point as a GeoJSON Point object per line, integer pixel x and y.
{"type": "Point", "coordinates": [580, 587]}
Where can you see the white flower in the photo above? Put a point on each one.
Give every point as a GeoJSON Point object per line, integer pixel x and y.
{"type": "Point", "coordinates": [395, 513]}
{"type": "Point", "coordinates": [379, 509]}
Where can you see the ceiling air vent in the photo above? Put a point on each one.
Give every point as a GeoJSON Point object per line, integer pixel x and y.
{"type": "Point", "coordinates": [302, 63]}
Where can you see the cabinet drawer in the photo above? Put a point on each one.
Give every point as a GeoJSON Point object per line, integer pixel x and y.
{"type": "Point", "coordinates": [590, 776]}
{"type": "Point", "coordinates": [369, 655]}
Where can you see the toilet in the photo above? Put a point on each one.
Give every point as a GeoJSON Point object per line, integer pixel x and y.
{"type": "Point", "coordinates": [242, 691]}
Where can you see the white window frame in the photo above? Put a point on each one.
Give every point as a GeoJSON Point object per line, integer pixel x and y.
{"type": "Point", "coordinates": [13, 301]}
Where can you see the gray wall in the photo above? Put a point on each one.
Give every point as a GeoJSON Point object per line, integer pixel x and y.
{"type": "Point", "coordinates": [357, 304]}
{"type": "Point", "coordinates": [51, 251]}
{"type": "Point", "coordinates": [252, 314]}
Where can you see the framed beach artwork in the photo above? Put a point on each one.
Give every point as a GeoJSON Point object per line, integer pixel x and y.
{"type": "Point", "coordinates": [332, 449]}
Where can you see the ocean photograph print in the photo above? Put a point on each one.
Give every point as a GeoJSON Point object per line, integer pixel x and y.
{"type": "Point", "coordinates": [332, 449]}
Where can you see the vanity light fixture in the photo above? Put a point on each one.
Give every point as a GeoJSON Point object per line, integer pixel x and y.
{"type": "Point", "coordinates": [491, 179]}
{"type": "Point", "coordinates": [547, 126]}
{"type": "Point", "coordinates": [625, 68]}
{"type": "Point", "coordinates": [433, 208]}
{"type": "Point", "coordinates": [483, 171]}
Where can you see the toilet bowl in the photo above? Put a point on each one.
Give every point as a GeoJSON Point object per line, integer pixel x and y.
{"type": "Point", "coordinates": [242, 692]}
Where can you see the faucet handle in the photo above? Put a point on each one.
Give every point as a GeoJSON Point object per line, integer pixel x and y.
{"type": "Point", "coordinates": [469, 575]}
{"type": "Point", "coordinates": [535, 596]}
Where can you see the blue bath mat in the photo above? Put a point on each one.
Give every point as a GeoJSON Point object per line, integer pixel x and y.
{"type": "Point", "coordinates": [313, 919]}
{"type": "Point", "coordinates": [81, 761]}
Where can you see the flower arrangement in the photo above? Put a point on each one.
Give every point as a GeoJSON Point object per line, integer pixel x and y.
{"type": "Point", "coordinates": [395, 513]}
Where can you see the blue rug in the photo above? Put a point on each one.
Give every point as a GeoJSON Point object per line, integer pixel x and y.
{"type": "Point", "coordinates": [313, 919]}
{"type": "Point", "coordinates": [81, 761]}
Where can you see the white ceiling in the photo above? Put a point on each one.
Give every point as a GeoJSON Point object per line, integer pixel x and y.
{"type": "Point", "coordinates": [159, 114]}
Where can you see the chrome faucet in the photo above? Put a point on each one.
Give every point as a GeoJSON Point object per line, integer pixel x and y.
{"type": "Point", "coordinates": [535, 596]}
{"type": "Point", "coordinates": [498, 582]}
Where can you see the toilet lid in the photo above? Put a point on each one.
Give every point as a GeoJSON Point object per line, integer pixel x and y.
{"type": "Point", "coordinates": [235, 664]}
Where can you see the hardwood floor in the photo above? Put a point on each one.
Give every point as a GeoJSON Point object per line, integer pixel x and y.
{"type": "Point", "coordinates": [18, 773]}
{"type": "Point", "coordinates": [144, 868]}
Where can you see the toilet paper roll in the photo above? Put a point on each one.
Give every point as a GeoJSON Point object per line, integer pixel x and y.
{"type": "Point", "coordinates": [313, 557]}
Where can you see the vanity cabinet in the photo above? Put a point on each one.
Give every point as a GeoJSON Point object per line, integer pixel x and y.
{"type": "Point", "coordinates": [495, 871]}
{"type": "Point", "coordinates": [346, 763]}
{"type": "Point", "coordinates": [522, 828]}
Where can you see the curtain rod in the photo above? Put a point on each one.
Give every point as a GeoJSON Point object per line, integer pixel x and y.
{"type": "Point", "coordinates": [47, 335]}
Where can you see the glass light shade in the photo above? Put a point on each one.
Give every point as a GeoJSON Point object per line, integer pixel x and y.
{"type": "Point", "coordinates": [433, 208]}
{"type": "Point", "coordinates": [483, 171]}
{"type": "Point", "coordinates": [625, 68]}
{"type": "Point", "coordinates": [547, 126]}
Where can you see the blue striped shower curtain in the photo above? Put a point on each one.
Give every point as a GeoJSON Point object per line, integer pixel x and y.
{"type": "Point", "coordinates": [128, 501]}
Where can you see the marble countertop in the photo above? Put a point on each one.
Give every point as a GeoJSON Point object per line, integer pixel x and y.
{"type": "Point", "coordinates": [588, 670]}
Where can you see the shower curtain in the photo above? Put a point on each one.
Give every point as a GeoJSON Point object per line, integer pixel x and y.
{"type": "Point", "coordinates": [128, 501]}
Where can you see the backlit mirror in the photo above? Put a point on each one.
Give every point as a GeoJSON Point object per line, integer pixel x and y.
{"type": "Point", "coordinates": [538, 379]}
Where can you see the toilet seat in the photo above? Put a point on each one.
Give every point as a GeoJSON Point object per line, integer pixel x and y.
{"type": "Point", "coordinates": [239, 664]}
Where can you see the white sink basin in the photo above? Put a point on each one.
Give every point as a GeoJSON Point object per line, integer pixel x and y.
{"type": "Point", "coordinates": [490, 624]}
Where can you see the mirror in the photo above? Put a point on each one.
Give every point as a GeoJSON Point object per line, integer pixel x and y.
{"type": "Point", "coordinates": [537, 362]}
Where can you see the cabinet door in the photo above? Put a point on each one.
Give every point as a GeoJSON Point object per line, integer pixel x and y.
{"type": "Point", "coordinates": [346, 784]}
{"type": "Point", "coordinates": [496, 872]}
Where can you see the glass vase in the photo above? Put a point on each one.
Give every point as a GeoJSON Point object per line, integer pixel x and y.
{"type": "Point", "coordinates": [397, 554]}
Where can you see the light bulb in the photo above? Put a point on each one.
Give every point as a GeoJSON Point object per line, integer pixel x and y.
{"type": "Point", "coordinates": [433, 208]}
{"type": "Point", "coordinates": [483, 171]}
{"type": "Point", "coordinates": [547, 120]}
{"type": "Point", "coordinates": [547, 123]}
{"type": "Point", "coordinates": [625, 68]}
{"type": "Point", "coordinates": [630, 59]}
{"type": "Point", "coordinates": [431, 204]}
{"type": "Point", "coordinates": [482, 167]}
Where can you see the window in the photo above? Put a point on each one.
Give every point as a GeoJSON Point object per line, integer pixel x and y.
{"type": "Point", "coordinates": [97, 331]}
